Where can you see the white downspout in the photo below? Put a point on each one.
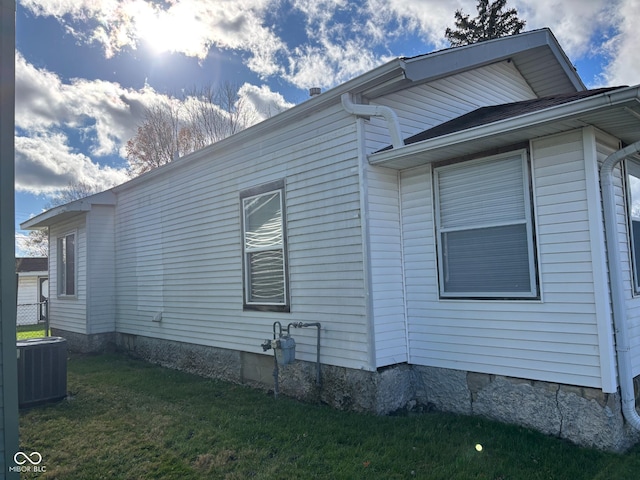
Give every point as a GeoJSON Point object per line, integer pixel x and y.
{"type": "Point", "coordinates": [376, 111]}
{"type": "Point", "coordinates": [623, 351]}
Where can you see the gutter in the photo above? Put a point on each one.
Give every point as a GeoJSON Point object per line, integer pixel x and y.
{"type": "Point", "coordinates": [566, 111]}
{"type": "Point", "coordinates": [387, 113]}
{"type": "Point", "coordinates": [623, 350]}
{"type": "Point", "coordinates": [85, 204]}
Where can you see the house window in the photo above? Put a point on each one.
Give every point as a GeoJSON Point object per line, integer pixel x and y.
{"type": "Point", "coordinates": [633, 188]}
{"type": "Point", "coordinates": [484, 229]}
{"type": "Point", "coordinates": [67, 265]}
{"type": "Point", "coordinates": [264, 245]}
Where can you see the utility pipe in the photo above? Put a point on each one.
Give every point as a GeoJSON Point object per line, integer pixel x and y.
{"type": "Point", "coordinates": [317, 325]}
{"type": "Point", "coordinates": [387, 113]}
{"type": "Point", "coordinates": [623, 351]}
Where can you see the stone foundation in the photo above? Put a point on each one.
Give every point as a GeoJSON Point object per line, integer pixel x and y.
{"type": "Point", "coordinates": [78, 342]}
{"type": "Point", "coordinates": [584, 416]}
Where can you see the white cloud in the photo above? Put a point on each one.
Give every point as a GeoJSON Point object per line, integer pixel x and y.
{"type": "Point", "coordinates": [103, 114]}
{"type": "Point", "coordinates": [263, 101]}
{"type": "Point", "coordinates": [428, 20]}
{"type": "Point", "coordinates": [335, 39]}
{"type": "Point", "coordinates": [623, 66]}
{"type": "Point", "coordinates": [577, 24]}
{"type": "Point", "coordinates": [102, 109]}
{"type": "Point", "coordinates": [189, 27]}
{"type": "Point", "coordinates": [45, 164]}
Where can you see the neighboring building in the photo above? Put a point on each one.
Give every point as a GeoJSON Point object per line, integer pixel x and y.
{"type": "Point", "coordinates": [33, 289]}
{"type": "Point", "coordinates": [463, 267]}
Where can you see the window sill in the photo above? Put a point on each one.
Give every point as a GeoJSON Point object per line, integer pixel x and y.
{"type": "Point", "coordinates": [67, 297]}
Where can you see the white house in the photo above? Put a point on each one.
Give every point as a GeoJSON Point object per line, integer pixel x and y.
{"type": "Point", "coordinates": [33, 289]}
{"type": "Point", "coordinates": [442, 219]}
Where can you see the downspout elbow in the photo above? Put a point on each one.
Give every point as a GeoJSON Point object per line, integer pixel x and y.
{"type": "Point", "coordinates": [387, 113]}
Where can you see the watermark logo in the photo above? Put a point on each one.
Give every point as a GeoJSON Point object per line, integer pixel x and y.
{"type": "Point", "coordinates": [28, 462]}
{"type": "Point", "coordinates": [34, 458]}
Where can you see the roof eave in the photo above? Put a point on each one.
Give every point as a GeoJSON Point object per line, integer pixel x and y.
{"type": "Point", "coordinates": [418, 153]}
{"type": "Point", "coordinates": [435, 65]}
{"type": "Point", "coordinates": [53, 215]}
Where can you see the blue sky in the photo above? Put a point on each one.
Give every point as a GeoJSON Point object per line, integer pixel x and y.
{"type": "Point", "coordinates": [86, 69]}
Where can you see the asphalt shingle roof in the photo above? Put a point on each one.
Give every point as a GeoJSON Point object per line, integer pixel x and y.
{"type": "Point", "coordinates": [32, 264]}
{"type": "Point", "coordinates": [494, 113]}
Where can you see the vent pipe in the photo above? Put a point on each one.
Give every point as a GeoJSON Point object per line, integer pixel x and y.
{"type": "Point", "coordinates": [314, 92]}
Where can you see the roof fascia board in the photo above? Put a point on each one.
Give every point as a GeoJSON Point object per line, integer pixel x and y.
{"type": "Point", "coordinates": [107, 197]}
{"type": "Point", "coordinates": [566, 64]}
{"type": "Point", "coordinates": [447, 62]}
{"type": "Point", "coordinates": [551, 114]}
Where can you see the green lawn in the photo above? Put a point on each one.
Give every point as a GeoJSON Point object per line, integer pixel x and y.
{"type": "Point", "coordinates": [30, 331]}
{"type": "Point", "coordinates": [127, 419]}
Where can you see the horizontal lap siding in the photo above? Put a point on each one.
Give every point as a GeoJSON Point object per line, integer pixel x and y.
{"type": "Point", "coordinates": [180, 248]}
{"type": "Point", "coordinates": [431, 104]}
{"type": "Point", "coordinates": [27, 293]}
{"type": "Point", "coordinates": [101, 270]}
{"type": "Point", "coordinates": [69, 313]}
{"type": "Point", "coordinates": [418, 108]}
{"type": "Point", "coordinates": [555, 339]}
{"type": "Point", "coordinates": [385, 252]}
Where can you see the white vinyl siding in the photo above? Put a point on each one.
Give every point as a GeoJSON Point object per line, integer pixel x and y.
{"type": "Point", "coordinates": [385, 253]}
{"type": "Point", "coordinates": [483, 219]}
{"type": "Point", "coordinates": [69, 312]}
{"type": "Point", "coordinates": [555, 339]}
{"type": "Point", "coordinates": [100, 270]}
{"type": "Point", "coordinates": [179, 244]}
{"type": "Point", "coordinates": [28, 313]}
{"type": "Point", "coordinates": [425, 106]}
{"type": "Point", "coordinates": [419, 107]}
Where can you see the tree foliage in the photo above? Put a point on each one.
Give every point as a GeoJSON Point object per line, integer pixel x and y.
{"type": "Point", "coordinates": [493, 21]}
{"type": "Point", "coordinates": [183, 125]}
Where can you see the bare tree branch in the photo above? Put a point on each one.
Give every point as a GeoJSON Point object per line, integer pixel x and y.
{"type": "Point", "coordinates": [181, 126]}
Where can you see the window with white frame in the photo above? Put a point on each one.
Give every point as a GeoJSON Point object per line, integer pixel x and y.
{"type": "Point", "coordinates": [633, 190]}
{"type": "Point", "coordinates": [67, 264]}
{"type": "Point", "coordinates": [484, 228]}
{"type": "Point", "coordinates": [264, 245]}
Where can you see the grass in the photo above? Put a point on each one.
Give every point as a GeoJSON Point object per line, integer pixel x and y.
{"type": "Point", "coordinates": [30, 331]}
{"type": "Point", "coordinates": [127, 419]}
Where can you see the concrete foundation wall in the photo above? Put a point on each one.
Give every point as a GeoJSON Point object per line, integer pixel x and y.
{"type": "Point", "coordinates": [584, 416]}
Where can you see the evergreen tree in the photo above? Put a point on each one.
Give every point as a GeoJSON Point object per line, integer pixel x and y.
{"type": "Point", "coordinates": [492, 22]}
